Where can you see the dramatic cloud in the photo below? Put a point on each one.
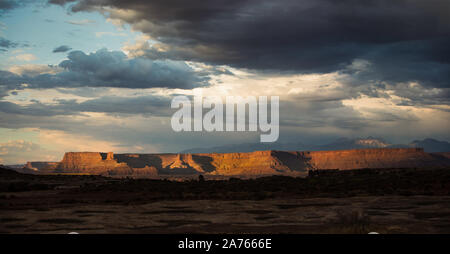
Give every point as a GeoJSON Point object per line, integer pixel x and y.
{"type": "Point", "coordinates": [313, 108]}
{"type": "Point", "coordinates": [399, 37]}
{"type": "Point", "coordinates": [341, 68]}
{"type": "Point", "coordinates": [5, 43]}
{"type": "Point", "coordinates": [7, 5]}
{"type": "Point", "coordinates": [24, 57]}
{"type": "Point", "coordinates": [61, 49]}
{"type": "Point", "coordinates": [145, 105]}
{"type": "Point", "coordinates": [34, 69]}
{"type": "Point", "coordinates": [109, 69]}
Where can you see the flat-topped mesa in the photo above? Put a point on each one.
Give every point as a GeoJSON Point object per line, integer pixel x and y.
{"type": "Point", "coordinates": [373, 158]}
{"type": "Point", "coordinates": [91, 162]}
{"type": "Point", "coordinates": [102, 164]}
{"type": "Point", "coordinates": [182, 164]}
{"type": "Point", "coordinates": [252, 163]}
{"type": "Point", "coordinates": [256, 163]}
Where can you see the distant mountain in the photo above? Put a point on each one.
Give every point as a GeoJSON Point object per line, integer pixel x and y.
{"type": "Point", "coordinates": [339, 144]}
{"type": "Point", "coordinates": [429, 145]}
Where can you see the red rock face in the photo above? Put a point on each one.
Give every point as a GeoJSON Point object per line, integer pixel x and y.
{"type": "Point", "coordinates": [90, 162]}
{"type": "Point", "coordinates": [374, 158]}
{"type": "Point", "coordinates": [254, 163]}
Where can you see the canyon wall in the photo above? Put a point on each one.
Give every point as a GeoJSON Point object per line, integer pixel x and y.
{"type": "Point", "coordinates": [88, 161]}
{"type": "Point", "coordinates": [92, 163]}
{"type": "Point", "coordinates": [253, 163]}
{"type": "Point", "coordinates": [102, 164]}
{"type": "Point", "coordinates": [374, 158]}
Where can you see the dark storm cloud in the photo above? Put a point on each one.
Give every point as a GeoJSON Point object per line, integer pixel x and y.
{"type": "Point", "coordinates": [5, 43]}
{"type": "Point", "coordinates": [425, 61]}
{"type": "Point", "coordinates": [61, 49]}
{"type": "Point", "coordinates": [7, 5]}
{"type": "Point", "coordinates": [109, 69]}
{"type": "Point", "coordinates": [319, 113]}
{"type": "Point", "coordinates": [115, 105]}
{"type": "Point", "coordinates": [145, 105]}
{"type": "Point", "coordinates": [61, 2]}
{"type": "Point", "coordinates": [300, 36]}
{"type": "Point", "coordinates": [34, 109]}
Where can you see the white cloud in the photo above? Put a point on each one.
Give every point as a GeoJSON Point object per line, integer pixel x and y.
{"type": "Point", "coordinates": [101, 34]}
{"type": "Point", "coordinates": [34, 69]}
{"type": "Point", "coordinates": [139, 48]}
{"type": "Point", "coordinates": [63, 141]}
{"type": "Point", "coordinates": [24, 57]}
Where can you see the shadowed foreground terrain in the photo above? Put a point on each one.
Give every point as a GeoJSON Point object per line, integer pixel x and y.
{"type": "Point", "coordinates": [354, 201]}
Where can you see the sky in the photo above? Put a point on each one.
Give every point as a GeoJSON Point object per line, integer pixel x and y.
{"type": "Point", "coordinates": [99, 75]}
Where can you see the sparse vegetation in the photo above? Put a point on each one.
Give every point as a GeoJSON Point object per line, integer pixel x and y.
{"type": "Point", "coordinates": [322, 203]}
{"type": "Point", "coordinates": [403, 182]}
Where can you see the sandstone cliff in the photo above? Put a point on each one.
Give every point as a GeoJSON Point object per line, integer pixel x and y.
{"type": "Point", "coordinates": [257, 163]}
{"type": "Point", "coordinates": [92, 163]}
{"type": "Point", "coordinates": [374, 158]}
{"type": "Point", "coordinates": [102, 164]}
{"type": "Point", "coordinates": [253, 163]}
